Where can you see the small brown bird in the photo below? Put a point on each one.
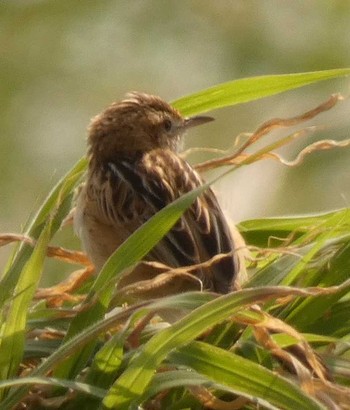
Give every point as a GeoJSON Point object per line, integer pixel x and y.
{"type": "Point", "coordinates": [134, 171]}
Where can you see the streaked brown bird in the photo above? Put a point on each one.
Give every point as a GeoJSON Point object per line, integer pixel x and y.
{"type": "Point", "coordinates": [134, 171]}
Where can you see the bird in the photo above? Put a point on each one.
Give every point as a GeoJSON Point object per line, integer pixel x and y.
{"type": "Point", "coordinates": [134, 170]}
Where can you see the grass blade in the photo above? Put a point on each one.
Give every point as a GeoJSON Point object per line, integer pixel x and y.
{"type": "Point", "coordinates": [250, 89]}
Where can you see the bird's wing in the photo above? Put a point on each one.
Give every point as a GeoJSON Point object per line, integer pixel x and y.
{"type": "Point", "coordinates": [138, 189]}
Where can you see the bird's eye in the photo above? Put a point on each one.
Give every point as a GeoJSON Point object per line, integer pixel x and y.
{"type": "Point", "coordinates": [167, 125]}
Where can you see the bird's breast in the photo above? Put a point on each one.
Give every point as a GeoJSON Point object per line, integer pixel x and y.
{"type": "Point", "coordinates": [99, 239]}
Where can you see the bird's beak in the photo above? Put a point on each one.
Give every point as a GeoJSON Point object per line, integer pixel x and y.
{"type": "Point", "coordinates": [197, 120]}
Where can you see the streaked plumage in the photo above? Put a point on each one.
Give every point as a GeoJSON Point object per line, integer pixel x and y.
{"type": "Point", "coordinates": [134, 171]}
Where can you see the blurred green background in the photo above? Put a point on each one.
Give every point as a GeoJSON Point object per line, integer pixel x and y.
{"type": "Point", "coordinates": [63, 61]}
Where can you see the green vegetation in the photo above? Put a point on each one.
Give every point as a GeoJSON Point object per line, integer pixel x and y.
{"type": "Point", "coordinates": [282, 342]}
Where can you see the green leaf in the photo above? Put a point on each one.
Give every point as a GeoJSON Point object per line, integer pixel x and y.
{"type": "Point", "coordinates": [258, 231]}
{"type": "Point", "coordinates": [305, 312]}
{"type": "Point", "coordinates": [107, 361]}
{"type": "Point", "coordinates": [249, 89]}
{"type": "Point", "coordinates": [244, 377]}
{"type": "Point", "coordinates": [333, 321]}
{"type": "Point", "coordinates": [50, 381]}
{"type": "Point", "coordinates": [132, 384]}
{"type": "Point", "coordinates": [13, 332]}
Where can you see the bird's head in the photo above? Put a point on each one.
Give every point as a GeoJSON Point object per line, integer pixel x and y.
{"type": "Point", "coordinates": [139, 123]}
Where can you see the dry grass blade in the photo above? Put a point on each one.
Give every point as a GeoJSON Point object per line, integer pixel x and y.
{"type": "Point", "coordinates": [333, 395]}
{"type": "Point", "coordinates": [167, 280]}
{"type": "Point", "coordinates": [239, 157]}
{"type": "Point", "coordinates": [58, 294]}
{"type": "Point", "coordinates": [303, 358]}
{"type": "Point", "coordinates": [57, 252]}
{"type": "Point", "coordinates": [316, 146]}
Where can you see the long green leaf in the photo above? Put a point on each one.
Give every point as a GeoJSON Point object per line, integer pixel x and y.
{"type": "Point", "coordinates": [132, 384]}
{"type": "Point", "coordinates": [50, 381]}
{"type": "Point", "coordinates": [258, 231]}
{"type": "Point", "coordinates": [249, 89]}
{"type": "Point", "coordinates": [13, 331]}
{"type": "Point", "coordinates": [244, 377]}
